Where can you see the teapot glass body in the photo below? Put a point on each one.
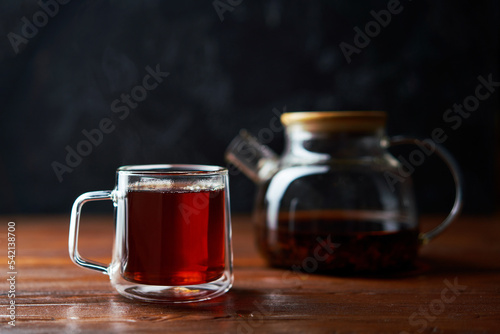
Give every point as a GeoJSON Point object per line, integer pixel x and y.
{"type": "Point", "coordinates": [336, 200]}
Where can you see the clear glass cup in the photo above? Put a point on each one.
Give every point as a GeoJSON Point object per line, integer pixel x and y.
{"type": "Point", "coordinates": [172, 233]}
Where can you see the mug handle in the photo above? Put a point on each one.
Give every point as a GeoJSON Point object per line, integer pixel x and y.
{"type": "Point", "coordinates": [74, 227]}
{"type": "Point", "coordinates": [457, 178]}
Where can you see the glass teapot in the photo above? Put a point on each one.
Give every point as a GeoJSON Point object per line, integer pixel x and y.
{"type": "Point", "coordinates": [337, 201]}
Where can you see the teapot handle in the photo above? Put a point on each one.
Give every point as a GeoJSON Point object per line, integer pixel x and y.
{"type": "Point", "coordinates": [457, 178]}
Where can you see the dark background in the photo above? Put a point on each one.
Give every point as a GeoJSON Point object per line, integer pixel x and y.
{"type": "Point", "coordinates": [231, 74]}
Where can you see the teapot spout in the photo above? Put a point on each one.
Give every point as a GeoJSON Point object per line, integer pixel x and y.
{"type": "Point", "coordinates": [257, 161]}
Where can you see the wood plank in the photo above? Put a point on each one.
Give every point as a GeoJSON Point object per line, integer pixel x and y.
{"type": "Point", "coordinates": [53, 295]}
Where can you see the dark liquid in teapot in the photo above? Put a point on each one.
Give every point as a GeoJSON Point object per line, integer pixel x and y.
{"type": "Point", "coordinates": [340, 242]}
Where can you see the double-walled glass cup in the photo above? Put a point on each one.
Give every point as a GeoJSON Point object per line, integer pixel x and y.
{"type": "Point", "coordinates": [172, 233]}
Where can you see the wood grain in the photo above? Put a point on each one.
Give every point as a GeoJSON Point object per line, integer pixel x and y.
{"type": "Point", "coordinates": [53, 295]}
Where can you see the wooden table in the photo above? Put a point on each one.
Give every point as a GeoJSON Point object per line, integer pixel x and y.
{"type": "Point", "coordinates": [457, 288]}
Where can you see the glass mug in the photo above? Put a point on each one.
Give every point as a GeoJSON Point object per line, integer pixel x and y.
{"type": "Point", "coordinates": [172, 233]}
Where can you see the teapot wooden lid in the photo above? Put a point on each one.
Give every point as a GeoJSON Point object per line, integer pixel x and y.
{"type": "Point", "coordinates": [335, 120]}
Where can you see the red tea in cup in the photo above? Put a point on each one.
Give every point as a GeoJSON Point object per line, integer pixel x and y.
{"type": "Point", "coordinates": [175, 236]}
